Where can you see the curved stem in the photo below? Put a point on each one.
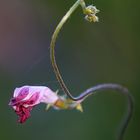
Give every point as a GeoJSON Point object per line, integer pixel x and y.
{"type": "Point", "coordinates": [52, 45]}
{"type": "Point", "coordinates": [110, 86]}
{"type": "Point", "coordinates": [92, 90]}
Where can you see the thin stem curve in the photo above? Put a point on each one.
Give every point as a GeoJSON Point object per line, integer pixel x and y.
{"type": "Point", "coordinates": [52, 50]}
{"type": "Point", "coordinates": [111, 86]}
{"type": "Point", "coordinates": [92, 90]}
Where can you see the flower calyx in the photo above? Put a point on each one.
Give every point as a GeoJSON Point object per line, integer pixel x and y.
{"type": "Point", "coordinates": [64, 103]}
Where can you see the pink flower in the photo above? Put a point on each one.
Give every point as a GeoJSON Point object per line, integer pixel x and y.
{"type": "Point", "coordinates": [26, 97]}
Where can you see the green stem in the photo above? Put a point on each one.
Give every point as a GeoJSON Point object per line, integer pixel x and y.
{"type": "Point", "coordinates": [52, 46]}
{"type": "Point", "coordinates": [92, 90]}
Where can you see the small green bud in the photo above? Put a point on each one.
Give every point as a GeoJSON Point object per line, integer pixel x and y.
{"type": "Point", "coordinates": [92, 18]}
{"type": "Point", "coordinates": [90, 12]}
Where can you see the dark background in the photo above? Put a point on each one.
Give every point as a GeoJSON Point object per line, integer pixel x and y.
{"type": "Point", "coordinates": [87, 54]}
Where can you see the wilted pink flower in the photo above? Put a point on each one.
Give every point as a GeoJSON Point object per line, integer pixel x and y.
{"type": "Point", "coordinates": [26, 97]}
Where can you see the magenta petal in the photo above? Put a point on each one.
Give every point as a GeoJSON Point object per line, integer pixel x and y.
{"type": "Point", "coordinates": [23, 93]}
{"type": "Point", "coordinates": [33, 99]}
{"type": "Point", "coordinates": [23, 113]}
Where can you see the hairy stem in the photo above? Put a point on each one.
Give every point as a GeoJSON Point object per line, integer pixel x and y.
{"type": "Point", "coordinates": [92, 90]}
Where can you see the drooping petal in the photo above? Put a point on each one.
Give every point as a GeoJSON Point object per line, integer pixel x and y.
{"type": "Point", "coordinates": [26, 97]}
{"type": "Point", "coordinates": [23, 113]}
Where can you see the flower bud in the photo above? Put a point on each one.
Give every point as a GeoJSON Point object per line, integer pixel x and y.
{"type": "Point", "coordinates": [90, 12]}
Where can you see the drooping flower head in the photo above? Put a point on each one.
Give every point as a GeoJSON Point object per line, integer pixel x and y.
{"type": "Point", "coordinates": [26, 97]}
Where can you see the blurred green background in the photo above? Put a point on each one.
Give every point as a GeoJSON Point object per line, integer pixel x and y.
{"type": "Point", "coordinates": [87, 54]}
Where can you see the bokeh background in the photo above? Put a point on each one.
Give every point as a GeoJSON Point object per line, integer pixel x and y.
{"type": "Point", "coordinates": [87, 54]}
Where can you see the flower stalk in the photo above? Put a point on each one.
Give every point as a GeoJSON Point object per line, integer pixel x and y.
{"type": "Point", "coordinates": [90, 12]}
{"type": "Point", "coordinates": [52, 46]}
